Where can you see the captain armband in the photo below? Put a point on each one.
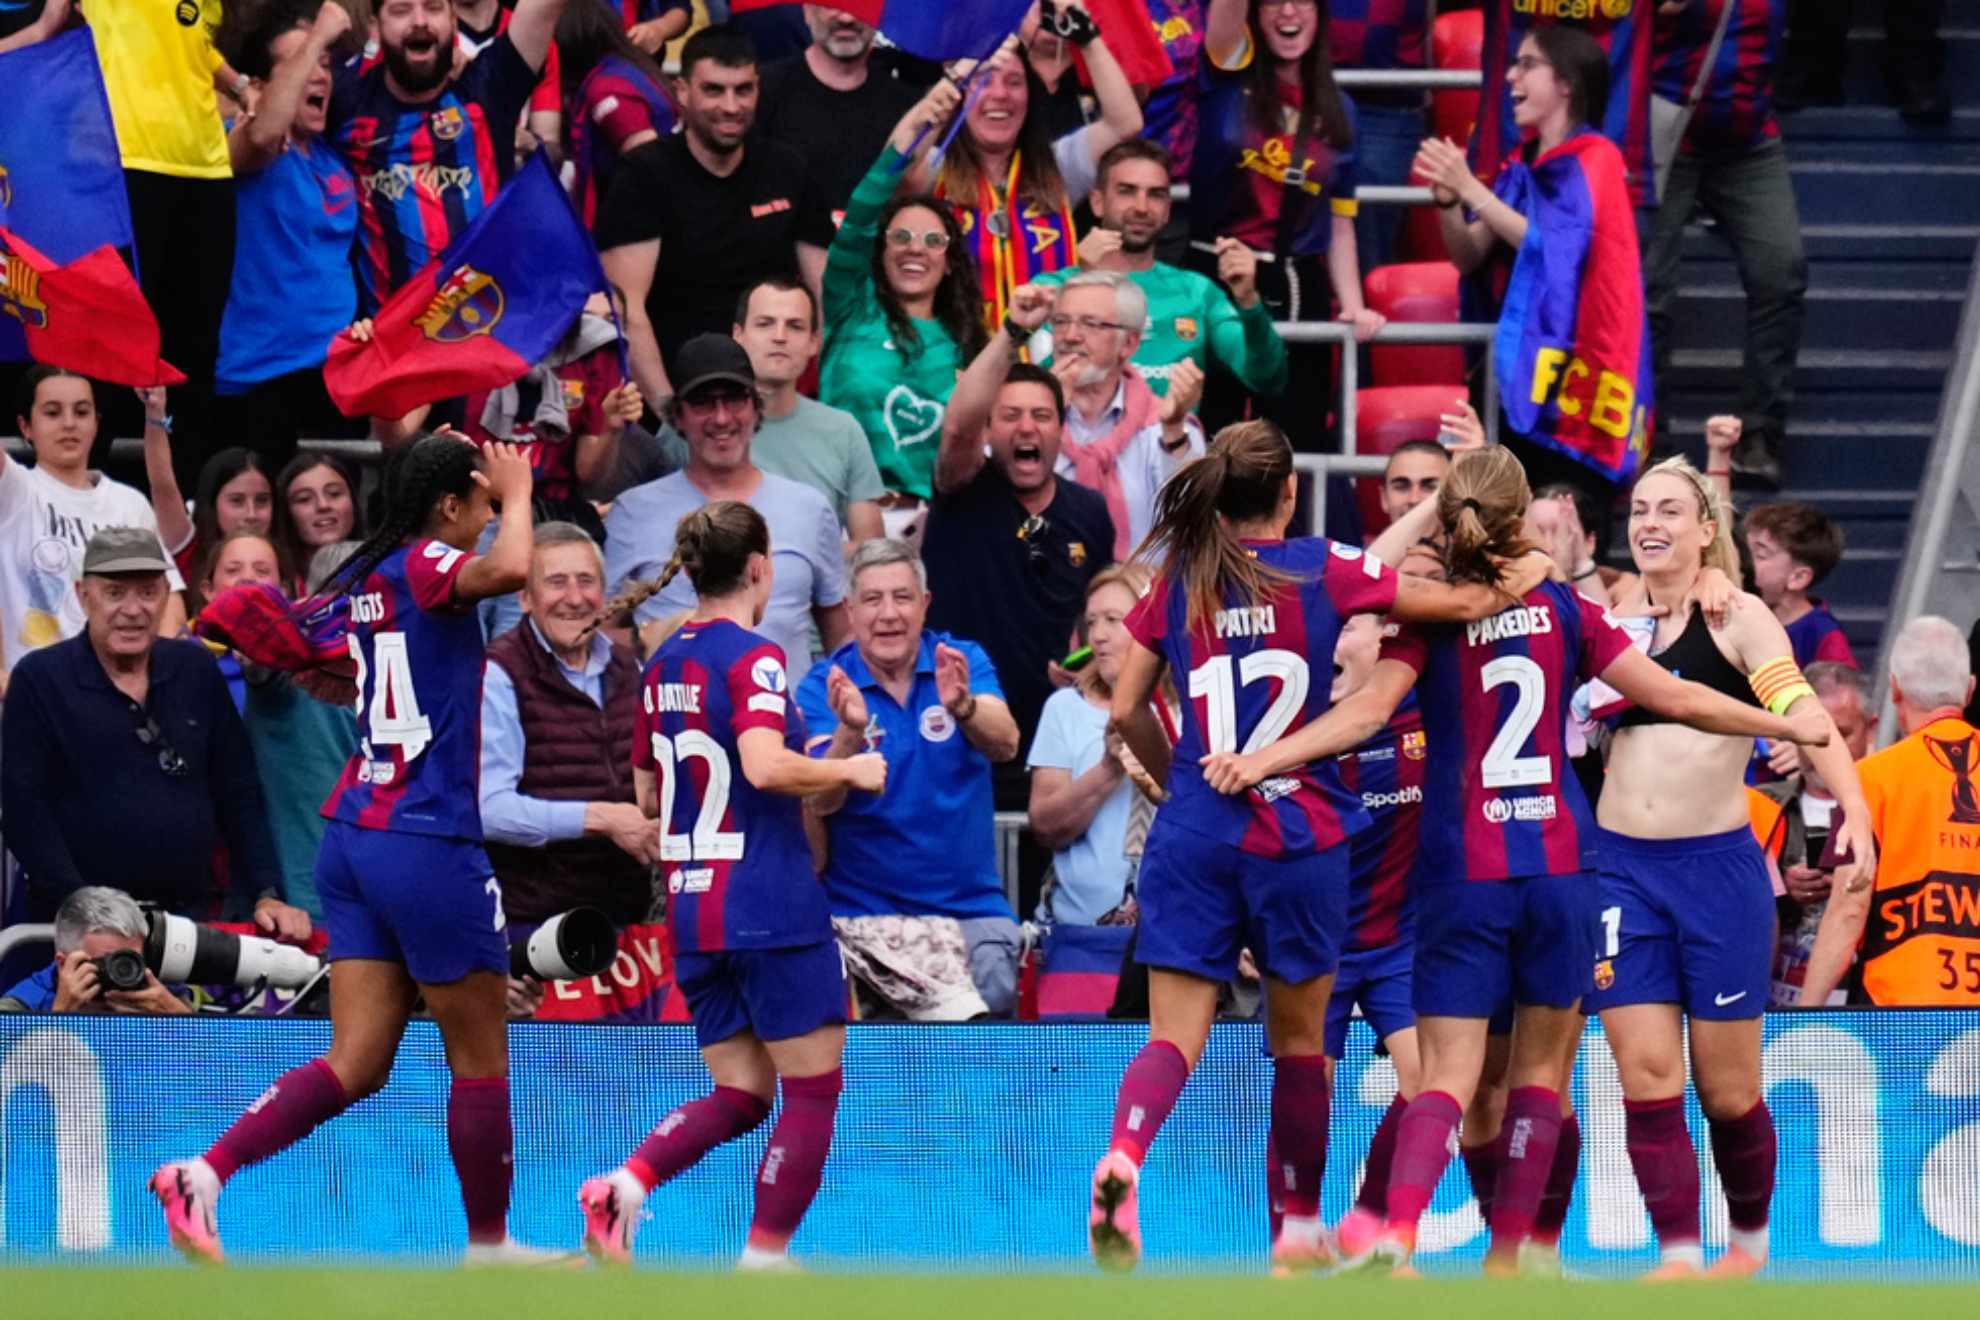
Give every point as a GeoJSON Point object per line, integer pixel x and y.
{"type": "Point", "coordinates": [1779, 684]}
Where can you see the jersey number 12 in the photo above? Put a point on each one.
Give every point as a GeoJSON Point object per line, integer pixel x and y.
{"type": "Point", "coordinates": [1211, 681]}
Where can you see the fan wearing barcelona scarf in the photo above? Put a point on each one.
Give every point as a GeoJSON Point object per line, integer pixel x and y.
{"type": "Point", "coordinates": [1573, 347]}
{"type": "Point", "coordinates": [1013, 186]}
{"type": "Point", "coordinates": [1235, 615]}
{"type": "Point", "coordinates": [1507, 906]}
{"type": "Point", "coordinates": [1275, 171]}
{"type": "Point", "coordinates": [409, 897]}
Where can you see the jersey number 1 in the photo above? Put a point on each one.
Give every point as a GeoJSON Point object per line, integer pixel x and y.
{"type": "Point", "coordinates": [1211, 681]}
{"type": "Point", "coordinates": [709, 842]}
{"type": "Point", "coordinates": [395, 718]}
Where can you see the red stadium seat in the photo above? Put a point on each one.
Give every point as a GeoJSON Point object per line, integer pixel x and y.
{"type": "Point", "coordinates": [1387, 417]}
{"type": "Point", "coordinates": [1415, 291]}
{"type": "Point", "coordinates": [1457, 41]}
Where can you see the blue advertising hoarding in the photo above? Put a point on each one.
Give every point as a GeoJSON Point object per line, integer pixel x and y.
{"type": "Point", "coordinates": [961, 1147]}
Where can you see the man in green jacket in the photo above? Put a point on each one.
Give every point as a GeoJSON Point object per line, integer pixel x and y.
{"type": "Point", "coordinates": [1189, 315]}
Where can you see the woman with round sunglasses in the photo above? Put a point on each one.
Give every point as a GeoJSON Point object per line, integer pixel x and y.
{"type": "Point", "coordinates": [903, 313]}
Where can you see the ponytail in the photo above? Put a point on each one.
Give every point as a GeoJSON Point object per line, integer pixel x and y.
{"type": "Point", "coordinates": [1238, 480]}
{"type": "Point", "coordinates": [712, 545]}
{"type": "Point", "coordinates": [1482, 505]}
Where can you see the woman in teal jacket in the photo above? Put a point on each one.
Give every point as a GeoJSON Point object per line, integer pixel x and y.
{"type": "Point", "coordinates": [903, 310]}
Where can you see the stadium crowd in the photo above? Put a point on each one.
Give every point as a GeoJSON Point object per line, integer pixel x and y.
{"type": "Point", "coordinates": [952, 334]}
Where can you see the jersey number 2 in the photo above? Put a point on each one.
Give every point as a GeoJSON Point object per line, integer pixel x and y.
{"type": "Point", "coordinates": [1503, 766]}
{"type": "Point", "coordinates": [709, 842]}
{"type": "Point", "coordinates": [1211, 681]}
{"type": "Point", "coordinates": [395, 718]}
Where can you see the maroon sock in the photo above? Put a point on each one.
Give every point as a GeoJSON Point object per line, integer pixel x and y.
{"type": "Point", "coordinates": [1275, 1196]}
{"type": "Point", "coordinates": [1374, 1196]}
{"type": "Point", "coordinates": [482, 1142]}
{"type": "Point", "coordinates": [1532, 1130]}
{"type": "Point", "coordinates": [1666, 1165]}
{"type": "Point", "coordinates": [693, 1130]}
{"type": "Point", "coordinates": [1423, 1149]}
{"type": "Point", "coordinates": [1149, 1089]}
{"type": "Point", "coordinates": [794, 1163]}
{"type": "Point", "coordinates": [1302, 1104]}
{"type": "Point", "coordinates": [1560, 1183]}
{"type": "Point", "coordinates": [1744, 1151]}
{"type": "Point", "coordinates": [1481, 1163]}
{"type": "Point", "coordinates": [292, 1108]}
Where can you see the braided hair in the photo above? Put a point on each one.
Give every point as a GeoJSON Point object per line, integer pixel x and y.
{"type": "Point", "coordinates": [712, 546]}
{"type": "Point", "coordinates": [416, 477]}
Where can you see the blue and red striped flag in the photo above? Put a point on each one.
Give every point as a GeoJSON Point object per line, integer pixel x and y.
{"type": "Point", "coordinates": [87, 315]}
{"type": "Point", "coordinates": [932, 29]}
{"type": "Point", "coordinates": [1573, 348]}
{"type": "Point", "coordinates": [481, 314]}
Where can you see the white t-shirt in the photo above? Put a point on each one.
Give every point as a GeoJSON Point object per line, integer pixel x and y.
{"type": "Point", "coordinates": [44, 526]}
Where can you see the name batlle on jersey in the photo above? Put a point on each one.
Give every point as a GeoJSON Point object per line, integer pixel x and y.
{"type": "Point", "coordinates": [1522, 621]}
{"type": "Point", "coordinates": [1525, 810]}
{"type": "Point", "coordinates": [673, 698]}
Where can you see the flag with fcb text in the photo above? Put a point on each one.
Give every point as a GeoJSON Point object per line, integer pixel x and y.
{"type": "Point", "coordinates": [1573, 346]}
{"type": "Point", "coordinates": [61, 176]}
{"type": "Point", "coordinates": [482, 313]}
{"type": "Point", "coordinates": [931, 29]}
{"type": "Point", "coordinates": [87, 315]}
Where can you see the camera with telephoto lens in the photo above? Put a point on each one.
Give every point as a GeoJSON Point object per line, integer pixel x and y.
{"type": "Point", "coordinates": [120, 969]}
{"type": "Point", "coordinates": [183, 952]}
{"type": "Point", "coordinates": [568, 947]}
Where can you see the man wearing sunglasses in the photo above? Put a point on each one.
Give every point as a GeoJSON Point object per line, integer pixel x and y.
{"type": "Point", "coordinates": [124, 763]}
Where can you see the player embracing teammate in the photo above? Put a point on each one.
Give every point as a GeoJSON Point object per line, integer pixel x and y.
{"type": "Point", "coordinates": [1236, 614]}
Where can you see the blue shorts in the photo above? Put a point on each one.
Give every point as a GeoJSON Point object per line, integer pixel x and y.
{"type": "Point", "coordinates": [427, 903]}
{"type": "Point", "coordinates": [1203, 901]}
{"type": "Point", "coordinates": [775, 994]}
{"type": "Point", "coordinates": [1530, 941]}
{"type": "Point", "coordinates": [1687, 922]}
{"type": "Point", "coordinates": [1377, 980]}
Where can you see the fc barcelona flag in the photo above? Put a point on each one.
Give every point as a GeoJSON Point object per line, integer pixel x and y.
{"type": "Point", "coordinates": [61, 178]}
{"type": "Point", "coordinates": [87, 316]}
{"type": "Point", "coordinates": [479, 316]}
{"type": "Point", "coordinates": [1573, 348]}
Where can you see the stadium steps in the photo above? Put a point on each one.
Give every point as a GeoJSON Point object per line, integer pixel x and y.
{"type": "Point", "coordinates": [1890, 220]}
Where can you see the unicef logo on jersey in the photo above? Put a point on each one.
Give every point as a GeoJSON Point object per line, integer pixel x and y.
{"type": "Point", "coordinates": [1523, 810]}
{"type": "Point", "coordinates": [768, 674]}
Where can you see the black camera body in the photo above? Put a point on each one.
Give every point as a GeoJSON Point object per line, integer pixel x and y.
{"type": "Point", "coordinates": [120, 969]}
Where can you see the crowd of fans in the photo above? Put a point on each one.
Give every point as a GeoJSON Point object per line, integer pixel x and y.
{"type": "Point", "coordinates": [953, 377]}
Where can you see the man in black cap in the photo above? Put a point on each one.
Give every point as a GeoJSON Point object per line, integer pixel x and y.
{"type": "Point", "coordinates": [123, 761]}
{"type": "Point", "coordinates": [718, 410]}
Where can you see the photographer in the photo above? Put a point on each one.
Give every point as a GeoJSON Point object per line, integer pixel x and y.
{"type": "Point", "coordinates": [94, 928]}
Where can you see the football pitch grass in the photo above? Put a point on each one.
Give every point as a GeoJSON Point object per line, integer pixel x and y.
{"type": "Point", "coordinates": [359, 1293]}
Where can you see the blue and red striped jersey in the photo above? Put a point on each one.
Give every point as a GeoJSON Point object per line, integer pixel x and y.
{"type": "Point", "coordinates": [1248, 682]}
{"type": "Point", "coordinates": [1386, 773]}
{"type": "Point", "coordinates": [1377, 34]}
{"type": "Point", "coordinates": [425, 170]}
{"type": "Point", "coordinates": [1500, 800]}
{"type": "Point", "coordinates": [1817, 635]}
{"type": "Point", "coordinates": [419, 665]}
{"type": "Point", "coordinates": [737, 867]}
{"type": "Point", "coordinates": [1736, 113]}
{"type": "Point", "coordinates": [1622, 28]}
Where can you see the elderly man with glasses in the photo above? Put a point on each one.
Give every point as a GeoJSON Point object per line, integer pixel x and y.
{"type": "Point", "coordinates": [124, 763]}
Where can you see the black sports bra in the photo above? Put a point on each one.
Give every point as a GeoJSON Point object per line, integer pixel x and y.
{"type": "Point", "coordinates": [1695, 656]}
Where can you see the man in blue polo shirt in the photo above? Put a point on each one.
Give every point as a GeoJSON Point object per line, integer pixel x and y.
{"type": "Point", "coordinates": [905, 864]}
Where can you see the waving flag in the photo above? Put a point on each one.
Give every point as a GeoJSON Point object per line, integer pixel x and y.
{"type": "Point", "coordinates": [1573, 348]}
{"type": "Point", "coordinates": [1132, 39]}
{"type": "Point", "coordinates": [482, 313]}
{"type": "Point", "coordinates": [932, 29]}
{"type": "Point", "coordinates": [87, 316]}
{"type": "Point", "coordinates": [306, 640]}
{"type": "Point", "coordinates": [61, 178]}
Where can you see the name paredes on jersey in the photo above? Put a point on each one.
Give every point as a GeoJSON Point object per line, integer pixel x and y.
{"type": "Point", "coordinates": [674, 698]}
{"type": "Point", "coordinates": [1250, 621]}
{"type": "Point", "coordinates": [1526, 621]}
